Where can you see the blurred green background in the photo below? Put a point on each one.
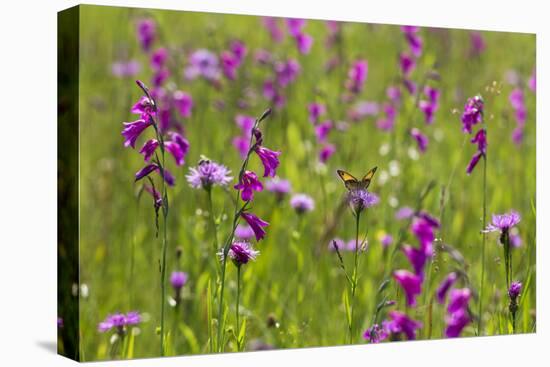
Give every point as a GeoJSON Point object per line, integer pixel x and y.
{"type": "Point", "coordinates": [296, 279]}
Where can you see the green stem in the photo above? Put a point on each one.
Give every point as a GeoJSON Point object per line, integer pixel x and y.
{"type": "Point", "coordinates": [224, 266]}
{"type": "Point", "coordinates": [163, 286]}
{"type": "Point", "coordinates": [484, 237]}
{"type": "Point", "coordinates": [212, 220]}
{"type": "Point", "coordinates": [354, 283]}
{"type": "Point", "coordinates": [237, 214]}
{"type": "Point", "coordinates": [237, 308]}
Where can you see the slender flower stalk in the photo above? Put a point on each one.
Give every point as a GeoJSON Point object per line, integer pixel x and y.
{"type": "Point", "coordinates": [514, 292]}
{"type": "Point", "coordinates": [359, 200]}
{"type": "Point", "coordinates": [238, 326]}
{"type": "Point", "coordinates": [473, 114]}
{"type": "Point", "coordinates": [148, 110]}
{"type": "Point", "coordinates": [212, 219]}
{"type": "Point", "coordinates": [354, 274]}
{"type": "Point", "coordinates": [503, 223]}
{"type": "Point", "coordinates": [483, 244]}
{"type": "Point", "coordinates": [255, 223]}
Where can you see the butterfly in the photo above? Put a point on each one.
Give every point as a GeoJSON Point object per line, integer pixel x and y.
{"type": "Point", "coordinates": [354, 184]}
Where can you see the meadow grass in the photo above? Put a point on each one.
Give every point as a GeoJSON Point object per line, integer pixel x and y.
{"type": "Point", "coordinates": [292, 296]}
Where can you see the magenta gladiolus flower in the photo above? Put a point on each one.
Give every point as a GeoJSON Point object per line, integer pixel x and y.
{"type": "Point", "coordinates": [411, 284]}
{"type": "Point", "coordinates": [178, 279]}
{"type": "Point", "coordinates": [295, 26]}
{"type": "Point", "coordinates": [503, 222]}
{"type": "Point", "coordinates": [146, 33]}
{"type": "Point", "coordinates": [401, 323]}
{"type": "Point", "coordinates": [533, 81]}
{"type": "Point", "coordinates": [256, 224]}
{"type": "Point", "coordinates": [176, 150]}
{"type": "Point", "coordinates": [229, 65]}
{"type": "Point", "coordinates": [413, 39]}
{"type": "Point", "coordinates": [421, 139]}
{"type": "Point", "coordinates": [388, 122]}
{"type": "Point", "coordinates": [357, 76]}
{"type": "Point", "coordinates": [456, 322]}
{"type": "Point", "coordinates": [242, 144]}
{"type": "Point", "coordinates": [322, 130]}
{"type": "Point", "coordinates": [430, 106]}
{"type": "Point", "coordinates": [240, 252]}
{"type": "Point", "coordinates": [245, 123]}
{"type": "Point", "coordinates": [181, 141]}
{"type": "Point", "coordinates": [316, 110]}
{"type": "Point", "coordinates": [157, 198]}
{"type": "Point", "coordinates": [158, 58]}
{"type": "Point", "coordinates": [148, 149]}
{"type": "Point", "coordinates": [473, 113]}
{"type": "Point", "coordinates": [169, 178]}
{"type": "Point", "coordinates": [517, 100]}
{"type": "Point", "coordinates": [160, 77]}
{"type": "Point", "coordinates": [272, 26]}
{"type": "Point", "coordinates": [457, 312]}
{"type": "Point", "coordinates": [145, 171]}
{"type": "Point", "coordinates": [269, 158]}
{"type": "Point", "coordinates": [207, 174]}
{"type": "Point", "coordinates": [304, 42]}
{"type": "Point", "coordinates": [473, 162]}
{"type": "Point", "coordinates": [327, 150]}
{"type": "Point", "coordinates": [424, 232]}
{"type": "Point", "coordinates": [132, 131]}
{"type": "Point", "coordinates": [144, 107]}
{"type": "Point", "coordinates": [481, 140]}
{"type": "Point", "coordinates": [248, 184]}
{"type": "Point", "coordinates": [184, 103]}
{"type": "Point", "coordinates": [477, 44]}
{"type": "Point", "coordinates": [444, 287]}
{"type": "Point", "coordinates": [458, 299]}
{"type": "Point", "coordinates": [238, 49]}
{"type": "Point", "coordinates": [407, 63]}
{"type": "Point", "coordinates": [417, 257]}
{"type": "Point", "coordinates": [286, 72]}
{"type": "Point", "coordinates": [302, 203]}
{"type": "Point", "coordinates": [410, 86]}
{"type": "Point", "coordinates": [430, 219]}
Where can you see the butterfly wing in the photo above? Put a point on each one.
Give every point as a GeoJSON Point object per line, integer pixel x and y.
{"type": "Point", "coordinates": [365, 182]}
{"type": "Point", "coordinates": [351, 182]}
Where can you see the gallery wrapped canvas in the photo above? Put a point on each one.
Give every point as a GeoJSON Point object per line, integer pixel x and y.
{"type": "Point", "coordinates": [232, 183]}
